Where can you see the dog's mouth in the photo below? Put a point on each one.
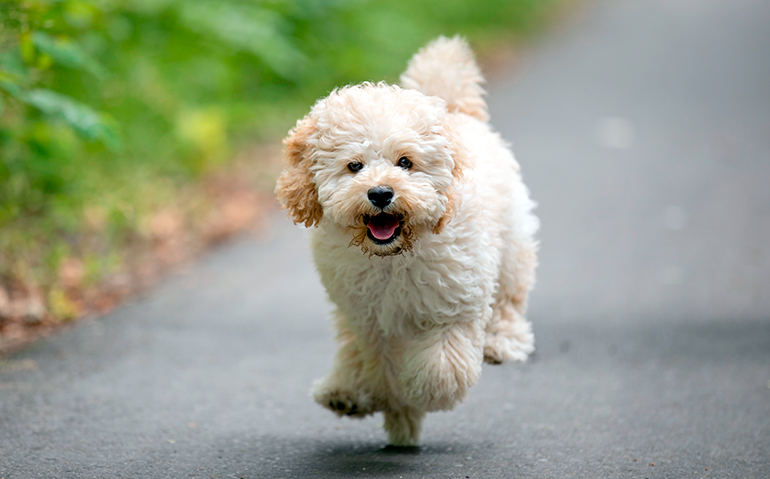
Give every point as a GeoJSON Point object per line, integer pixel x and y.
{"type": "Point", "coordinates": [383, 228]}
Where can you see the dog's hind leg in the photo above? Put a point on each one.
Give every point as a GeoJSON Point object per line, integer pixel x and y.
{"type": "Point", "coordinates": [509, 334]}
{"type": "Point", "coordinates": [343, 390]}
{"type": "Point", "coordinates": [404, 426]}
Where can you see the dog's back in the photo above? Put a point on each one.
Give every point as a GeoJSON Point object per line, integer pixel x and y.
{"type": "Point", "coordinates": [447, 68]}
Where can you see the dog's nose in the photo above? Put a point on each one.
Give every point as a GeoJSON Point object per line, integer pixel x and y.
{"type": "Point", "coordinates": [380, 196]}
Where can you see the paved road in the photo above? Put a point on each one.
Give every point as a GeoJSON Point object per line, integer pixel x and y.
{"type": "Point", "coordinates": [643, 128]}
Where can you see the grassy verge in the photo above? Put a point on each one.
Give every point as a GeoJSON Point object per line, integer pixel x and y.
{"type": "Point", "coordinates": [121, 121]}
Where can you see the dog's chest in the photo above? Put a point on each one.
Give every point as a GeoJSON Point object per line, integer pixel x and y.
{"type": "Point", "coordinates": [399, 294]}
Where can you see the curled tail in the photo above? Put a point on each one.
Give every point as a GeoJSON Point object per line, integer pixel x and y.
{"type": "Point", "coordinates": [447, 68]}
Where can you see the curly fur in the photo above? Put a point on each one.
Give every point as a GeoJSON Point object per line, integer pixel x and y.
{"type": "Point", "coordinates": [415, 317]}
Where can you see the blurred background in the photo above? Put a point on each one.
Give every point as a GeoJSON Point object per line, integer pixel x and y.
{"type": "Point", "coordinates": [130, 131]}
{"type": "Point", "coordinates": [134, 134]}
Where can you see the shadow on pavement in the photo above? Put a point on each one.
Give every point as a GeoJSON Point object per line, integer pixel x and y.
{"type": "Point", "coordinates": [318, 457]}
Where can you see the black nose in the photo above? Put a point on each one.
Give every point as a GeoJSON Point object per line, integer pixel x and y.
{"type": "Point", "coordinates": [380, 196]}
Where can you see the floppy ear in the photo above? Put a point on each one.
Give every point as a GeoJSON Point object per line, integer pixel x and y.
{"type": "Point", "coordinates": [295, 189]}
{"type": "Point", "coordinates": [461, 161]}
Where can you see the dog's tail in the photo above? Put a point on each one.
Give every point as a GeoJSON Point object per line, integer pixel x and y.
{"type": "Point", "coordinates": [447, 68]}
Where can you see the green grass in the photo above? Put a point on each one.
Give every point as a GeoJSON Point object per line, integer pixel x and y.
{"type": "Point", "coordinates": [110, 106]}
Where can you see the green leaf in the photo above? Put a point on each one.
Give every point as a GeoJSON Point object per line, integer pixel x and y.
{"type": "Point", "coordinates": [26, 47]}
{"type": "Point", "coordinates": [67, 53]}
{"type": "Point", "coordinates": [80, 117]}
{"type": "Point", "coordinates": [247, 28]}
{"type": "Point", "coordinates": [12, 65]}
{"type": "Point", "coordinates": [8, 84]}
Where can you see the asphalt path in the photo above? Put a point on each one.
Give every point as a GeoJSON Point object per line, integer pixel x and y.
{"type": "Point", "coordinates": [643, 130]}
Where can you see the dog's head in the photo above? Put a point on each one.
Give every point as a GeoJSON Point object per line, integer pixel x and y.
{"type": "Point", "coordinates": [378, 161]}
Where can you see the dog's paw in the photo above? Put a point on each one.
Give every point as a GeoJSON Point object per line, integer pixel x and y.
{"type": "Point", "coordinates": [341, 402]}
{"type": "Point", "coordinates": [499, 348]}
{"type": "Point", "coordinates": [437, 380]}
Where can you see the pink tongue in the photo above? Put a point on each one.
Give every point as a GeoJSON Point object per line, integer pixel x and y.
{"type": "Point", "coordinates": [382, 227]}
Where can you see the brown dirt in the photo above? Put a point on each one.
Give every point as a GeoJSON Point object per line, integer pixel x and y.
{"type": "Point", "coordinates": [222, 205]}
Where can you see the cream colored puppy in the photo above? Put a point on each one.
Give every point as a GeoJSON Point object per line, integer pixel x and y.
{"type": "Point", "coordinates": [424, 237]}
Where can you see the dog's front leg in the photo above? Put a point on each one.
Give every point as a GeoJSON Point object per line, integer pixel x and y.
{"type": "Point", "coordinates": [343, 390]}
{"type": "Point", "coordinates": [441, 364]}
{"type": "Point", "coordinates": [403, 425]}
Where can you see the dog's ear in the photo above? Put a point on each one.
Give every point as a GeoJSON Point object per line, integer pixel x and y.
{"type": "Point", "coordinates": [295, 189]}
{"type": "Point", "coordinates": [461, 160]}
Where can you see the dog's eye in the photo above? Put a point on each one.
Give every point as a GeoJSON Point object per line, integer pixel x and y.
{"type": "Point", "coordinates": [404, 163]}
{"type": "Point", "coordinates": [355, 166]}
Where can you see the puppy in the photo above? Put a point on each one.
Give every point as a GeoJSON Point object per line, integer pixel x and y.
{"type": "Point", "coordinates": [422, 232]}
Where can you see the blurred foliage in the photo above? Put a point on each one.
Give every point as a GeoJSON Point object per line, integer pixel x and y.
{"type": "Point", "coordinates": [106, 105]}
